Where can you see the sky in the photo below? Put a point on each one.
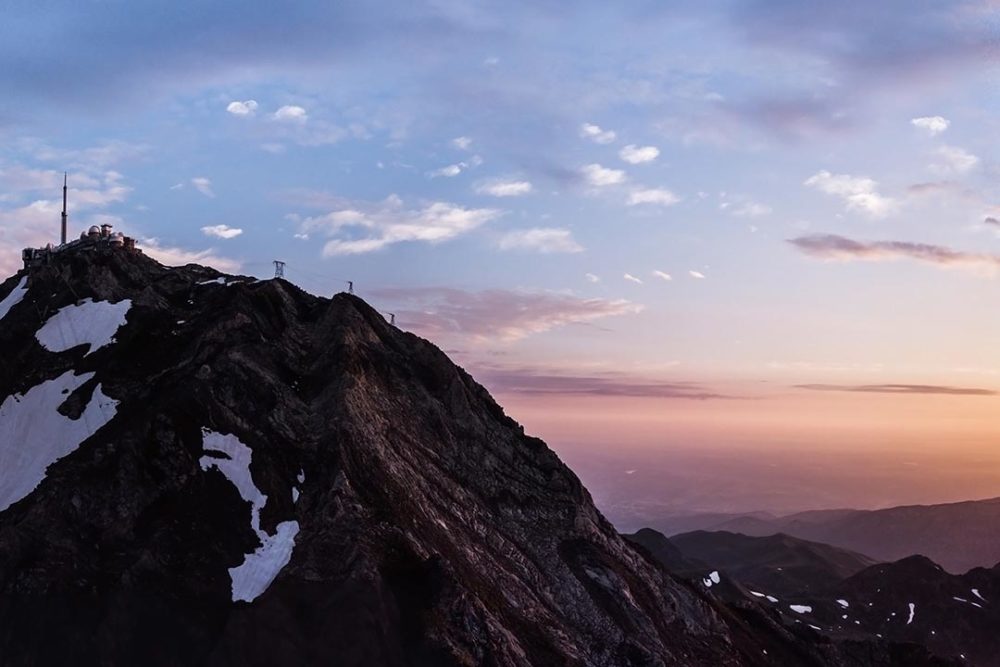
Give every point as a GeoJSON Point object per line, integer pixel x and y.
{"type": "Point", "coordinates": [746, 250]}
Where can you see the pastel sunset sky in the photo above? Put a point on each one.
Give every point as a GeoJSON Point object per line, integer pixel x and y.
{"type": "Point", "coordinates": [721, 255]}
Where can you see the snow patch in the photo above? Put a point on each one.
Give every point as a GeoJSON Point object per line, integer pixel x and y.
{"type": "Point", "coordinates": [913, 609]}
{"type": "Point", "coordinates": [34, 435]}
{"type": "Point", "coordinates": [93, 323]}
{"type": "Point", "coordinates": [712, 578]}
{"type": "Point", "coordinates": [975, 591]}
{"type": "Point", "coordinates": [14, 298]}
{"type": "Point", "coordinates": [221, 280]}
{"type": "Point", "coordinates": [843, 603]}
{"type": "Point", "coordinates": [974, 604]}
{"type": "Point", "coordinates": [259, 569]}
{"type": "Point", "coordinates": [295, 495]}
{"type": "Point", "coordinates": [800, 608]}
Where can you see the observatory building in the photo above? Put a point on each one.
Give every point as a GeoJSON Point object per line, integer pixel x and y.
{"type": "Point", "coordinates": [96, 239]}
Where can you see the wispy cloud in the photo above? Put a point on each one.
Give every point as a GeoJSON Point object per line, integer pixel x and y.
{"type": "Point", "coordinates": [291, 113]}
{"type": "Point", "coordinates": [839, 248]}
{"type": "Point", "coordinates": [653, 196]}
{"type": "Point", "coordinates": [440, 312]}
{"type": "Point", "coordinates": [696, 274]}
{"type": "Point", "coordinates": [533, 381]}
{"type": "Point", "coordinates": [953, 160]}
{"type": "Point", "coordinates": [221, 231]}
{"type": "Point", "coordinates": [244, 108]}
{"type": "Point", "coordinates": [752, 209]}
{"type": "Point", "coordinates": [932, 125]}
{"type": "Point", "coordinates": [449, 171]}
{"type": "Point", "coordinates": [203, 185]}
{"type": "Point", "coordinates": [504, 188]}
{"type": "Point", "coordinates": [859, 194]}
{"type": "Point", "coordinates": [662, 275]}
{"type": "Point", "coordinates": [461, 143]}
{"type": "Point", "coordinates": [638, 154]}
{"type": "Point", "coordinates": [175, 256]}
{"type": "Point", "coordinates": [596, 134]}
{"type": "Point", "coordinates": [592, 278]}
{"type": "Point", "coordinates": [598, 176]}
{"type": "Point", "coordinates": [901, 389]}
{"type": "Point", "coordinates": [388, 222]}
{"type": "Point", "coordinates": [632, 279]}
{"type": "Point", "coordinates": [544, 240]}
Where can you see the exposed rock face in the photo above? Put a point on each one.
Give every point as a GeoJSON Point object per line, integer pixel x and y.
{"type": "Point", "coordinates": [276, 478]}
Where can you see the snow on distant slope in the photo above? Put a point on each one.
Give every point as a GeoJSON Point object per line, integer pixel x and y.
{"type": "Point", "coordinates": [34, 435]}
{"type": "Point", "coordinates": [91, 322]}
{"type": "Point", "coordinates": [14, 297]}
{"type": "Point", "coordinates": [259, 568]}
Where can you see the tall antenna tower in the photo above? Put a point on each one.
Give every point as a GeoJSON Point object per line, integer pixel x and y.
{"type": "Point", "coordinates": [279, 269]}
{"type": "Point", "coordinates": [64, 210]}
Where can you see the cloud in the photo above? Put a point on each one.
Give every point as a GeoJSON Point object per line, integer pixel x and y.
{"type": "Point", "coordinates": [632, 279]}
{"type": "Point", "coordinates": [461, 143]}
{"type": "Point", "coordinates": [101, 156]}
{"type": "Point", "coordinates": [221, 231]}
{"type": "Point", "coordinates": [450, 171]}
{"type": "Point", "coordinates": [933, 125]}
{"type": "Point", "coordinates": [291, 113]}
{"type": "Point", "coordinates": [596, 134]}
{"type": "Point", "coordinates": [173, 256]}
{"type": "Point", "coordinates": [839, 248]}
{"type": "Point", "coordinates": [637, 155]}
{"type": "Point", "coordinates": [663, 275]}
{"type": "Point", "coordinates": [599, 176]}
{"type": "Point", "coordinates": [752, 210]}
{"type": "Point", "coordinates": [382, 224]}
{"type": "Point", "coordinates": [203, 185]}
{"type": "Point", "coordinates": [989, 220]}
{"type": "Point", "coordinates": [245, 108]}
{"type": "Point", "coordinates": [901, 389]}
{"type": "Point", "coordinates": [441, 312]}
{"type": "Point", "coordinates": [952, 159]}
{"type": "Point", "coordinates": [500, 188]}
{"type": "Point", "coordinates": [21, 179]}
{"type": "Point", "coordinates": [591, 278]}
{"type": "Point", "coordinates": [544, 240]}
{"type": "Point", "coordinates": [860, 194]}
{"type": "Point", "coordinates": [543, 382]}
{"type": "Point", "coordinates": [655, 196]}
{"type": "Point", "coordinates": [696, 274]}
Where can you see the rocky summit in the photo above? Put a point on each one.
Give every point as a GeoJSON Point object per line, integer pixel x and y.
{"type": "Point", "coordinates": [202, 469]}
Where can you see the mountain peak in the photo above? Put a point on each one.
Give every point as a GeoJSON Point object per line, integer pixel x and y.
{"type": "Point", "coordinates": [212, 469]}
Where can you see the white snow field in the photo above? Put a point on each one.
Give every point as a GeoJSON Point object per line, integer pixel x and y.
{"type": "Point", "coordinates": [259, 568]}
{"type": "Point", "coordinates": [91, 322]}
{"type": "Point", "coordinates": [14, 297]}
{"type": "Point", "coordinates": [33, 435]}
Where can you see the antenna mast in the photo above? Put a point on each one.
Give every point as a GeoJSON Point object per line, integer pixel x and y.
{"type": "Point", "coordinates": [64, 210]}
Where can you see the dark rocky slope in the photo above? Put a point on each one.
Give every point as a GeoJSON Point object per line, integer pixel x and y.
{"type": "Point", "coordinates": [404, 519]}
{"type": "Point", "coordinates": [781, 564]}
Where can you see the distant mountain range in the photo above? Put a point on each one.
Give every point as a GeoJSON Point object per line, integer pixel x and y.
{"type": "Point", "coordinates": [842, 594]}
{"type": "Point", "coordinates": [958, 536]}
{"type": "Point", "coordinates": [779, 563]}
